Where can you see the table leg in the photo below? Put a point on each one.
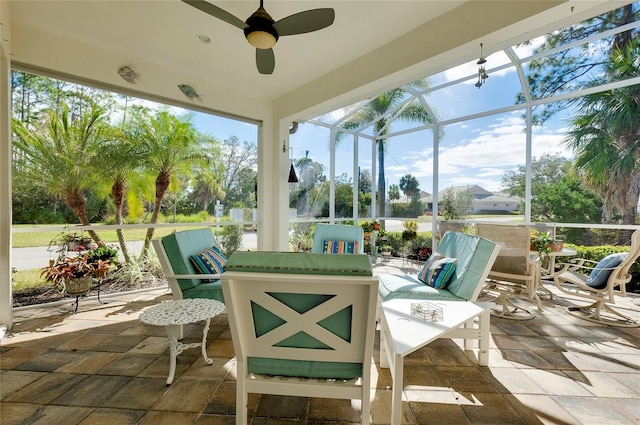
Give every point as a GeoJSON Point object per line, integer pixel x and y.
{"type": "Point", "coordinates": [204, 341]}
{"type": "Point", "coordinates": [483, 344]}
{"type": "Point", "coordinates": [172, 334]}
{"type": "Point", "coordinates": [396, 391]}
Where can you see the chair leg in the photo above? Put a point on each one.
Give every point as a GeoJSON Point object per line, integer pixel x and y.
{"type": "Point", "coordinates": [242, 400]}
{"type": "Point", "coordinates": [366, 406]}
{"type": "Point", "coordinates": [593, 313]}
{"type": "Point", "coordinates": [510, 310]}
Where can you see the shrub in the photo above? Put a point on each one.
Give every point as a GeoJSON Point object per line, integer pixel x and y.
{"type": "Point", "coordinates": [231, 239]}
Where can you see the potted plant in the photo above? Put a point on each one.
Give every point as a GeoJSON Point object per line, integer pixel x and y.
{"type": "Point", "coordinates": [73, 274]}
{"type": "Point", "coordinates": [557, 244]}
{"type": "Point", "coordinates": [367, 227]}
{"type": "Point", "coordinates": [540, 242]}
{"type": "Point", "coordinates": [410, 231]}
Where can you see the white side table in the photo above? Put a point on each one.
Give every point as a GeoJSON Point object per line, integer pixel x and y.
{"type": "Point", "coordinates": [175, 313]}
{"type": "Point", "coordinates": [402, 333]}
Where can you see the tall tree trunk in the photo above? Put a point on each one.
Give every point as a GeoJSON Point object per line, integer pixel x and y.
{"type": "Point", "coordinates": [117, 193]}
{"type": "Point", "coordinates": [76, 202]}
{"type": "Point", "coordinates": [629, 215]}
{"type": "Point", "coordinates": [162, 184]}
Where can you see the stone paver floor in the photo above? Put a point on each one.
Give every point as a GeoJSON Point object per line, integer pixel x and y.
{"type": "Point", "coordinates": [103, 366]}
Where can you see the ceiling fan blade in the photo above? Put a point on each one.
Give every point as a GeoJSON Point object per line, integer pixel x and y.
{"type": "Point", "coordinates": [265, 61]}
{"type": "Point", "coordinates": [307, 21]}
{"type": "Point", "coordinates": [216, 12]}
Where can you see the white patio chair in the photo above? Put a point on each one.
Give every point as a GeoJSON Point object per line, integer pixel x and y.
{"type": "Point", "coordinates": [306, 335]}
{"type": "Point", "coordinates": [579, 279]}
{"type": "Point", "coordinates": [514, 272]}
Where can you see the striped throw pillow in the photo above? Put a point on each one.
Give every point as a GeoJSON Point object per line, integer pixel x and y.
{"type": "Point", "coordinates": [437, 271]}
{"type": "Point", "coordinates": [209, 261]}
{"type": "Point", "coordinates": [340, 247]}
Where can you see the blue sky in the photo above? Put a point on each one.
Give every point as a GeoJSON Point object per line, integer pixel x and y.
{"type": "Point", "coordinates": [477, 151]}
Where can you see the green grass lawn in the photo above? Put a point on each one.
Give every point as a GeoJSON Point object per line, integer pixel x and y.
{"type": "Point", "coordinates": [25, 279]}
{"type": "Point", "coordinates": [24, 240]}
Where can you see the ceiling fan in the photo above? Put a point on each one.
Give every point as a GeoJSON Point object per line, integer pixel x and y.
{"type": "Point", "coordinates": [262, 32]}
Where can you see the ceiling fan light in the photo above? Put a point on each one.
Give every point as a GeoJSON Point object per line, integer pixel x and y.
{"type": "Point", "coordinates": [261, 39]}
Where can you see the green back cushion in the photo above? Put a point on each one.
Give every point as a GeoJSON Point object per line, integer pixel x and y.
{"type": "Point", "coordinates": [180, 246]}
{"type": "Point", "coordinates": [299, 263]}
{"type": "Point", "coordinates": [264, 320]}
{"type": "Point", "coordinates": [472, 254]}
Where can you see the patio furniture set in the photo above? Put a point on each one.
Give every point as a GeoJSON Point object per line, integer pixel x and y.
{"type": "Point", "coordinates": [311, 318]}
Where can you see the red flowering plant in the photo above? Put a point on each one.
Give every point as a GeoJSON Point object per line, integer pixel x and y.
{"type": "Point", "coordinates": [65, 268]}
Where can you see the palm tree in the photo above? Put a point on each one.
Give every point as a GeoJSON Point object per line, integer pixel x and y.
{"type": "Point", "coordinates": [394, 192]}
{"type": "Point", "coordinates": [118, 161]}
{"type": "Point", "coordinates": [207, 182]}
{"type": "Point", "coordinates": [171, 145]}
{"type": "Point", "coordinates": [60, 153]}
{"type": "Point", "coordinates": [606, 136]}
{"type": "Point", "coordinates": [380, 112]}
{"type": "Point", "coordinates": [409, 185]}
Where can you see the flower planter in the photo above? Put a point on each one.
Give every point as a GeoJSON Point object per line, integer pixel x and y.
{"type": "Point", "coordinates": [77, 286]}
{"type": "Point", "coordinates": [556, 246]}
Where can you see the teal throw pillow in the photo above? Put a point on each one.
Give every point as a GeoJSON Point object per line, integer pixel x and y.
{"type": "Point", "coordinates": [600, 274]}
{"type": "Point", "coordinates": [437, 271]}
{"type": "Point", "coordinates": [340, 247]}
{"type": "Point", "coordinates": [209, 261]}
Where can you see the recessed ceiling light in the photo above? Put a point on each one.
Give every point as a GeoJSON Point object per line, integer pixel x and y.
{"type": "Point", "coordinates": [203, 38]}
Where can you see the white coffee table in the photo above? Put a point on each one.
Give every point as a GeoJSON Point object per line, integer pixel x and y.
{"type": "Point", "coordinates": [175, 313]}
{"type": "Point", "coordinates": [401, 334]}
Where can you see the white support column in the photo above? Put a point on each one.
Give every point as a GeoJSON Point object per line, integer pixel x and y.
{"type": "Point", "coordinates": [374, 180]}
{"type": "Point", "coordinates": [529, 150]}
{"type": "Point", "coordinates": [356, 180]}
{"type": "Point", "coordinates": [273, 189]}
{"type": "Point", "coordinates": [436, 187]}
{"type": "Point", "coordinates": [332, 176]}
{"type": "Point", "coordinates": [6, 297]}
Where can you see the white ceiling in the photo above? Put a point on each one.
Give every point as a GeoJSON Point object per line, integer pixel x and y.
{"type": "Point", "coordinates": [165, 32]}
{"type": "Point", "coordinates": [90, 39]}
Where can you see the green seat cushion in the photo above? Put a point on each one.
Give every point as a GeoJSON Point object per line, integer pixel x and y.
{"type": "Point", "coordinates": [410, 287]}
{"type": "Point", "coordinates": [210, 290]}
{"type": "Point", "coordinates": [299, 263]}
{"type": "Point", "coordinates": [303, 368]}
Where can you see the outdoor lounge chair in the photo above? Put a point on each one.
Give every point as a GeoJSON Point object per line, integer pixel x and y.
{"type": "Point", "coordinates": [599, 283]}
{"type": "Point", "coordinates": [174, 252]}
{"type": "Point", "coordinates": [337, 233]}
{"type": "Point", "coordinates": [302, 325]}
{"type": "Point", "coordinates": [514, 272]}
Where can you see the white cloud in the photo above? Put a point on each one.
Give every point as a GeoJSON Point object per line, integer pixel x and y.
{"type": "Point", "coordinates": [483, 158]}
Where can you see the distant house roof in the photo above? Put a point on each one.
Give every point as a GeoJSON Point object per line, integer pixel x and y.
{"type": "Point", "coordinates": [477, 192]}
{"type": "Point", "coordinates": [502, 197]}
